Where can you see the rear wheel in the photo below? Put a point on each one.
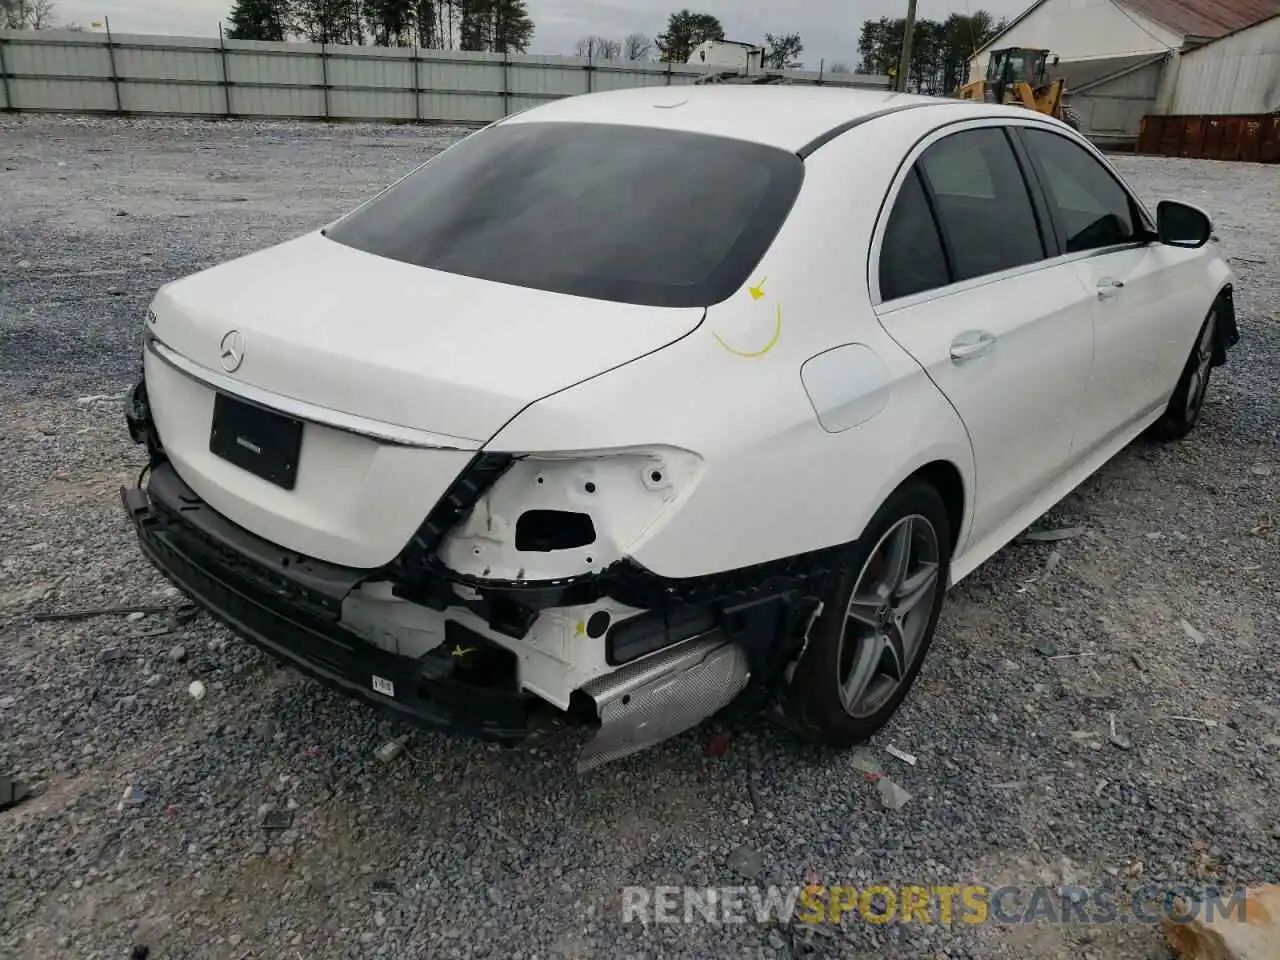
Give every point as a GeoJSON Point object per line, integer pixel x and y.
{"type": "Point", "coordinates": [878, 619]}
{"type": "Point", "coordinates": [1071, 118]}
{"type": "Point", "coordinates": [1187, 402]}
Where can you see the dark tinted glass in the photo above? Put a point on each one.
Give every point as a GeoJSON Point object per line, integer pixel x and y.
{"type": "Point", "coordinates": [1091, 209]}
{"type": "Point", "coordinates": [911, 257]}
{"type": "Point", "coordinates": [982, 203]}
{"type": "Point", "coordinates": [629, 214]}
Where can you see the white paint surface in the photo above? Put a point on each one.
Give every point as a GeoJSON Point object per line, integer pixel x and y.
{"type": "Point", "coordinates": [1081, 30]}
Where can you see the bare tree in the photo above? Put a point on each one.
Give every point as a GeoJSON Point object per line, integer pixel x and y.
{"type": "Point", "coordinates": [637, 46]}
{"type": "Point", "coordinates": [840, 67]}
{"type": "Point", "coordinates": [783, 52]}
{"type": "Point", "coordinates": [598, 48]}
{"type": "Point", "coordinates": [27, 14]}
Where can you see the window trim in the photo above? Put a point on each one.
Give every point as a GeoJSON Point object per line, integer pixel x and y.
{"type": "Point", "coordinates": [932, 200]}
{"type": "Point", "coordinates": [1142, 224]}
{"type": "Point", "coordinates": [748, 248]}
{"type": "Point", "coordinates": [914, 173]}
{"type": "Point", "coordinates": [1049, 233]}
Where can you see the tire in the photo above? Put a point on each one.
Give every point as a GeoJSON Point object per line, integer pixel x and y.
{"type": "Point", "coordinates": [1071, 118]}
{"type": "Point", "coordinates": [835, 660]}
{"type": "Point", "coordinates": [1187, 402]}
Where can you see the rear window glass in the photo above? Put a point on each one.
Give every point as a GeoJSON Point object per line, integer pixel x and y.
{"type": "Point", "coordinates": [630, 214]}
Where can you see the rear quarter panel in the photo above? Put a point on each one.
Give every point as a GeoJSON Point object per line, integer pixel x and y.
{"type": "Point", "coordinates": [775, 482]}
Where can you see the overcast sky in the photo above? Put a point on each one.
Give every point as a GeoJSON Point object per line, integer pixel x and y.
{"type": "Point", "coordinates": [829, 28]}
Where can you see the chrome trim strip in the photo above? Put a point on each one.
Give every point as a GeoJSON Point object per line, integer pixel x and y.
{"type": "Point", "coordinates": [349, 422]}
{"type": "Point", "coordinates": [886, 307]}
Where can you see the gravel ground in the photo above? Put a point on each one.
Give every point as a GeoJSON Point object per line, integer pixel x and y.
{"type": "Point", "coordinates": [1167, 603]}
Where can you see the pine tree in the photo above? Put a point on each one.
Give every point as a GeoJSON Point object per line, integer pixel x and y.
{"type": "Point", "coordinates": [329, 21]}
{"type": "Point", "coordinates": [512, 26]}
{"type": "Point", "coordinates": [475, 24]}
{"type": "Point", "coordinates": [426, 24]}
{"type": "Point", "coordinates": [685, 31]}
{"type": "Point", "coordinates": [390, 22]}
{"type": "Point", "coordinates": [259, 20]}
{"type": "Point", "coordinates": [503, 26]}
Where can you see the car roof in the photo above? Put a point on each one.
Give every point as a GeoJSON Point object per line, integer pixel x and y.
{"type": "Point", "coordinates": [791, 117]}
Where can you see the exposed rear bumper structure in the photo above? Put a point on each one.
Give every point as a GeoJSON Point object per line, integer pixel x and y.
{"type": "Point", "coordinates": [700, 645]}
{"type": "Point", "coordinates": [290, 606]}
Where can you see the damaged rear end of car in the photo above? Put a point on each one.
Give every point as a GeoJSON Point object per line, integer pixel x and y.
{"type": "Point", "coordinates": [320, 422]}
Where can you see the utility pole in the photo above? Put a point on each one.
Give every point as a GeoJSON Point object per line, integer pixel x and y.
{"type": "Point", "coordinates": [908, 28]}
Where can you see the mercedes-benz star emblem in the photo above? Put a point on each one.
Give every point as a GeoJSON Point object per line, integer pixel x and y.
{"type": "Point", "coordinates": [232, 350]}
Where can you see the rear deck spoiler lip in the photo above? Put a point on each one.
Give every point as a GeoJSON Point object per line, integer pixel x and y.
{"type": "Point", "coordinates": [383, 432]}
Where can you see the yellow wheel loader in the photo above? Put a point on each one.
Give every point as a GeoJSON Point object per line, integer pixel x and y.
{"type": "Point", "coordinates": [1020, 75]}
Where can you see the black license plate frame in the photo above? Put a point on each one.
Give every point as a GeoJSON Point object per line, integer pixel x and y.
{"type": "Point", "coordinates": [263, 442]}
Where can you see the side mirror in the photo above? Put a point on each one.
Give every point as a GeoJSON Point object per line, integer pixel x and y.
{"type": "Point", "coordinates": [1182, 225]}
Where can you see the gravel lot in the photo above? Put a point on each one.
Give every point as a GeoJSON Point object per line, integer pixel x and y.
{"type": "Point", "coordinates": [1169, 602]}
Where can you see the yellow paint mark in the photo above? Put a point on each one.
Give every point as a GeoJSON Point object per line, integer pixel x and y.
{"type": "Point", "coordinates": [459, 651]}
{"type": "Point", "coordinates": [777, 332]}
{"type": "Point", "coordinates": [757, 292]}
{"type": "Point", "coordinates": [581, 629]}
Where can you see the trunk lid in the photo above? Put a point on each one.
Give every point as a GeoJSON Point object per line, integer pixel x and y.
{"type": "Point", "coordinates": [400, 344]}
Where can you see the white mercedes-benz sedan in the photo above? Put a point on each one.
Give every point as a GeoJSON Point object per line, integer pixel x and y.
{"type": "Point", "coordinates": [643, 403]}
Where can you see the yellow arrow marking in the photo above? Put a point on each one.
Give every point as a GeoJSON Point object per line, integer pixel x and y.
{"type": "Point", "coordinates": [757, 292]}
{"type": "Point", "coordinates": [777, 332]}
{"type": "Point", "coordinates": [459, 651]}
{"type": "Point", "coordinates": [581, 629]}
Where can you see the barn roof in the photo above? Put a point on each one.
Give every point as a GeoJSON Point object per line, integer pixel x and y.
{"type": "Point", "coordinates": [1204, 18]}
{"type": "Point", "coordinates": [1190, 18]}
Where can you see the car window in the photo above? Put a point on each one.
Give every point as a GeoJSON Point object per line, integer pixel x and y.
{"type": "Point", "coordinates": [982, 203]}
{"type": "Point", "coordinates": [631, 214]}
{"type": "Point", "coordinates": [911, 257]}
{"type": "Point", "coordinates": [1091, 208]}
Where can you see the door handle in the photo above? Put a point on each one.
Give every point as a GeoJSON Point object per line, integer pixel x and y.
{"type": "Point", "coordinates": [970, 345]}
{"type": "Point", "coordinates": [1108, 287]}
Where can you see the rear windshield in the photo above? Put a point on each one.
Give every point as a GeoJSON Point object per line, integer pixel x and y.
{"type": "Point", "coordinates": [629, 214]}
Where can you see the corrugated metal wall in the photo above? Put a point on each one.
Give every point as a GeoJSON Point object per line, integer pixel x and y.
{"type": "Point", "coordinates": [82, 72]}
{"type": "Point", "coordinates": [1111, 111]}
{"type": "Point", "coordinates": [1239, 74]}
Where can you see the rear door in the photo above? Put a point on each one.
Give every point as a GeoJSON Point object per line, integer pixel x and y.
{"type": "Point", "coordinates": [1143, 293]}
{"type": "Point", "coordinates": [963, 277]}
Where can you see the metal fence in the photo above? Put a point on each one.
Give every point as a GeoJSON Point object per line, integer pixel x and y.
{"type": "Point", "coordinates": [135, 74]}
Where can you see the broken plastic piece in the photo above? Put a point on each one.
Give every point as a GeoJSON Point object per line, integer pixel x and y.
{"type": "Point", "coordinates": [1201, 720]}
{"type": "Point", "coordinates": [133, 797]}
{"type": "Point", "coordinates": [12, 793]}
{"type": "Point", "coordinates": [104, 611]}
{"type": "Point", "coordinates": [278, 820]}
{"type": "Point", "coordinates": [391, 749]}
{"type": "Point", "coordinates": [717, 744]}
{"type": "Point", "coordinates": [905, 757]}
{"type": "Point", "coordinates": [1052, 536]}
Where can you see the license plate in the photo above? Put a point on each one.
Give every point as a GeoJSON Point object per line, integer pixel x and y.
{"type": "Point", "coordinates": [261, 441]}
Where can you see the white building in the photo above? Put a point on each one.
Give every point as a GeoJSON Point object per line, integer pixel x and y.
{"type": "Point", "coordinates": [1124, 59]}
{"type": "Point", "coordinates": [1235, 74]}
{"type": "Point", "coordinates": [727, 55]}
{"type": "Point", "coordinates": [1095, 29]}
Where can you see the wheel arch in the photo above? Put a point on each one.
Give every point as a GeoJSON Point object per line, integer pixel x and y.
{"type": "Point", "coordinates": [1227, 332]}
{"type": "Point", "coordinates": [945, 477]}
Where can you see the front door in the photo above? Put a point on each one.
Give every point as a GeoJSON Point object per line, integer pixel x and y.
{"type": "Point", "coordinates": [1146, 314]}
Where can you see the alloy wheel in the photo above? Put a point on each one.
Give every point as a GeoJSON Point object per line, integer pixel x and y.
{"type": "Point", "coordinates": [888, 615]}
